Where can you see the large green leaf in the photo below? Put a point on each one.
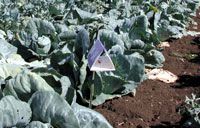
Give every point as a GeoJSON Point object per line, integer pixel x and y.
{"type": "Point", "coordinates": [162, 30]}
{"type": "Point", "coordinates": [25, 84]}
{"type": "Point", "coordinates": [35, 36]}
{"type": "Point", "coordinates": [154, 58]}
{"type": "Point", "coordinates": [140, 30]}
{"type": "Point", "coordinates": [11, 70]}
{"type": "Point", "coordinates": [157, 17]}
{"type": "Point", "coordinates": [15, 60]}
{"type": "Point", "coordinates": [58, 7]}
{"type": "Point", "coordinates": [2, 34]}
{"type": "Point", "coordinates": [38, 124]}
{"type": "Point", "coordinates": [112, 84]}
{"type": "Point", "coordinates": [60, 28]}
{"type": "Point", "coordinates": [67, 35]}
{"type": "Point", "coordinates": [82, 41]}
{"type": "Point", "coordinates": [39, 27]}
{"type": "Point", "coordinates": [116, 49]}
{"type": "Point", "coordinates": [50, 75]}
{"type": "Point", "coordinates": [44, 45]}
{"type": "Point", "coordinates": [137, 44]}
{"type": "Point", "coordinates": [126, 26]}
{"type": "Point", "coordinates": [6, 49]}
{"type": "Point", "coordinates": [110, 38]}
{"type": "Point", "coordinates": [84, 90]}
{"type": "Point", "coordinates": [1, 94]}
{"type": "Point", "coordinates": [192, 4]}
{"type": "Point", "coordinates": [128, 67]}
{"type": "Point", "coordinates": [14, 112]}
{"type": "Point", "coordinates": [51, 108]}
{"type": "Point", "coordinates": [84, 16]}
{"type": "Point", "coordinates": [89, 118]}
{"type": "Point", "coordinates": [111, 23]}
{"type": "Point", "coordinates": [103, 97]}
{"type": "Point", "coordinates": [83, 70]}
{"type": "Point", "coordinates": [176, 32]}
{"type": "Point", "coordinates": [66, 64]}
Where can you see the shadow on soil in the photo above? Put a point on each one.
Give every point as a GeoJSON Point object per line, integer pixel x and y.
{"type": "Point", "coordinates": [164, 126]}
{"type": "Point", "coordinates": [176, 125]}
{"type": "Point", "coordinates": [170, 126]}
{"type": "Point", "coordinates": [197, 40]}
{"type": "Point", "coordinates": [196, 59]}
{"type": "Point", "coordinates": [187, 81]}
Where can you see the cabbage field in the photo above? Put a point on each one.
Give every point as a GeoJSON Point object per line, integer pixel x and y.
{"type": "Point", "coordinates": [44, 73]}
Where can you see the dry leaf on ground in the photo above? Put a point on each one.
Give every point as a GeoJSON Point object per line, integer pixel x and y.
{"type": "Point", "coordinates": [162, 75]}
{"type": "Point", "coordinates": [163, 45]}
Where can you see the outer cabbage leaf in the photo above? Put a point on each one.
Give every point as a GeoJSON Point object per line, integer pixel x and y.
{"type": "Point", "coordinates": [82, 41]}
{"type": "Point", "coordinates": [67, 35]}
{"type": "Point", "coordinates": [19, 62]}
{"type": "Point", "coordinates": [162, 30]}
{"type": "Point", "coordinates": [177, 32]}
{"type": "Point", "coordinates": [89, 118]}
{"type": "Point", "coordinates": [35, 36]}
{"type": "Point", "coordinates": [44, 45]}
{"type": "Point", "coordinates": [154, 58]}
{"type": "Point", "coordinates": [83, 70]}
{"type": "Point", "coordinates": [50, 75]}
{"type": "Point", "coordinates": [60, 28]}
{"type": "Point", "coordinates": [127, 41]}
{"type": "Point", "coordinates": [1, 94]}
{"type": "Point", "coordinates": [103, 97]}
{"type": "Point", "coordinates": [157, 16]}
{"type": "Point", "coordinates": [126, 26]}
{"type": "Point", "coordinates": [137, 44]}
{"type": "Point", "coordinates": [111, 24]}
{"type": "Point", "coordinates": [38, 124]}
{"type": "Point", "coordinates": [14, 112]}
{"type": "Point", "coordinates": [110, 38]}
{"type": "Point", "coordinates": [7, 70]}
{"type": "Point", "coordinates": [193, 5]}
{"type": "Point", "coordinates": [2, 34]}
{"type": "Point", "coordinates": [58, 59]}
{"type": "Point", "coordinates": [58, 7]}
{"type": "Point", "coordinates": [128, 67]}
{"type": "Point", "coordinates": [139, 29]}
{"type": "Point", "coordinates": [60, 83]}
{"type": "Point", "coordinates": [25, 84]}
{"type": "Point", "coordinates": [66, 64]}
{"type": "Point", "coordinates": [116, 49]}
{"type": "Point", "coordinates": [84, 16]}
{"type": "Point", "coordinates": [6, 49]}
{"type": "Point", "coordinates": [39, 27]}
{"type": "Point", "coordinates": [51, 108]}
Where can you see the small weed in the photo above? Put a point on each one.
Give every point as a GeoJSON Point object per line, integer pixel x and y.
{"type": "Point", "coordinates": [192, 108]}
{"type": "Point", "coordinates": [184, 56]}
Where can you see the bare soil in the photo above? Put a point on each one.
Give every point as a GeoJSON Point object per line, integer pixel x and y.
{"type": "Point", "coordinates": [156, 104]}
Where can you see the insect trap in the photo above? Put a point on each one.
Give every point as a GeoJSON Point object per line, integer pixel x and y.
{"type": "Point", "coordinates": [99, 59]}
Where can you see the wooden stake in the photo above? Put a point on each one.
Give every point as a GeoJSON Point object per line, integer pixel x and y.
{"type": "Point", "coordinates": [92, 90]}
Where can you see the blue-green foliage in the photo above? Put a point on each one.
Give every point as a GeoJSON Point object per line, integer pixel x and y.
{"type": "Point", "coordinates": [44, 47]}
